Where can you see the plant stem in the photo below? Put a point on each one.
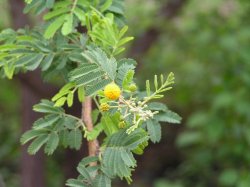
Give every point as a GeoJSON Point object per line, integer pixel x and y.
{"type": "Point", "coordinates": [93, 145]}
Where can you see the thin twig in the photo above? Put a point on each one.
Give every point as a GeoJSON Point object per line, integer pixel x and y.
{"type": "Point", "coordinates": [93, 145]}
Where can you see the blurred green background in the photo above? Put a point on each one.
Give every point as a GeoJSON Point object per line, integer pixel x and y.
{"type": "Point", "coordinates": [207, 45]}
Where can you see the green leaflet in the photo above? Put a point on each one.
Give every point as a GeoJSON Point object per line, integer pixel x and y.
{"type": "Point", "coordinates": [117, 7]}
{"type": "Point", "coordinates": [154, 130]}
{"type": "Point", "coordinates": [55, 13]}
{"type": "Point", "coordinates": [125, 72]}
{"type": "Point", "coordinates": [89, 78]}
{"type": "Point", "coordinates": [75, 139]}
{"type": "Point", "coordinates": [9, 70]}
{"type": "Point", "coordinates": [31, 134]}
{"type": "Point", "coordinates": [46, 63]}
{"type": "Point", "coordinates": [80, 14]}
{"type": "Point", "coordinates": [70, 99]}
{"type": "Point", "coordinates": [168, 116]}
{"type": "Point", "coordinates": [128, 79]}
{"type": "Point", "coordinates": [148, 88]}
{"type": "Point", "coordinates": [63, 136]}
{"type": "Point", "coordinates": [65, 94]}
{"type": "Point", "coordinates": [156, 106]}
{"type": "Point", "coordinates": [60, 102]}
{"type": "Point", "coordinates": [69, 122]}
{"type": "Point", "coordinates": [84, 172]}
{"type": "Point", "coordinates": [96, 86]}
{"type": "Point", "coordinates": [140, 148]}
{"type": "Point", "coordinates": [82, 70]}
{"type": "Point", "coordinates": [75, 183]}
{"type": "Point", "coordinates": [50, 3]}
{"type": "Point", "coordinates": [37, 144]}
{"type": "Point", "coordinates": [102, 180]}
{"type": "Point", "coordinates": [38, 6]}
{"type": "Point", "coordinates": [81, 93]}
{"type": "Point", "coordinates": [68, 25]}
{"type": "Point", "coordinates": [26, 50]}
{"type": "Point", "coordinates": [52, 129]}
{"type": "Point", "coordinates": [117, 157]}
{"type": "Point", "coordinates": [25, 60]}
{"type": "Point", "coordinates": [67, 88]}
{"type": "Point", "coordinates": [88, 174]}
{"type": "Point", "coordinates": [28, 1]}
{"type": "Point", "coordinates": [97, 73]}
{"type": "Point", "coordinates": [106, 5]}
{"type": "Point", "coordinates": [45, 122]}
{"type": "Point", "coordinates": [110, 123]}
{"type": "Point", "coordinates": [54, 26]}
{"type": "Point", "coordinates": [159, 89]}
{"type": "Point", "coordinates": [52, 143]}
{"type": "Point", "coordinates": [34, 64]}
{"type": "Point", "coordinates": [99, 57]}
{"type": "Point", "coordinates": [106, 34]}
{"type": "Point", "coordinates": [87, 160]}
{"type": "Point", "coordinates": [47, 107]}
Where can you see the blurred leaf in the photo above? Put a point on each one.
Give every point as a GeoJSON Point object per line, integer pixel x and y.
{"type": "Point", "coordinates": [228, 177]}
{"type": "Point", "coordinates": [189, 138]}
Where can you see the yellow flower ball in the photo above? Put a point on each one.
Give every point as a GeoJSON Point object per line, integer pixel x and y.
{"type": "Point", "coordinates": [112, 91]}
{"type": "Point", "coordinates": [122, 124]}
{"type": "Point", "coordinates": [104, 107]}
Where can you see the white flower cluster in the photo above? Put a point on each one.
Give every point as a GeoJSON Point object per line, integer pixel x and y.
{"type": "Point", "coordinates": [138, 110]}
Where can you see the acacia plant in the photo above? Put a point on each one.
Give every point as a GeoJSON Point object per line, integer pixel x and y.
{"type": "Point", "coordinates": [79, 44]}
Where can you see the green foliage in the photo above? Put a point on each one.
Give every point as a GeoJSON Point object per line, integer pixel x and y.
{"type": "Point", "coordinates": [65, 94]}
{"type": "Point", "coordinates": [23, 52]}
{"type": "Point", "coordinates": [26, 50]}
{"type": "Point", "coordinates": [168, 116]}
{"type": "Point", "coordinates": [164, 86]}
{"type": "Point", "coordinates": [95, 132]}
{"type": "Point", "coordinates": [28, 1]}
{"type": "Point", "coordinates": [65, 15]}
{"type": "Point", "coordinates": [86, 63]}
{"type": "Point", "coordinates": [56, 127]}
{"type": "Point", "coordinates": [88, 174]}
{"type": "Point", "coordinates": [207, 47]}
{"type": "Point", "coordinates": [164, 115]}
{"type": "Point", "coordinates": [104, 32]}
{"type": "Point", "coordinates": [218, 124]}
{"type": "Point", "coordinates": [154, 130]}
{"type": "Point", "coordinates": [125, 73]}
{"type": "Point", "coordinates": [118, 159]}
{"type": "Point", "coordinates": [95, 72]}
{"type": "Point", "coordinates": [110, 124]}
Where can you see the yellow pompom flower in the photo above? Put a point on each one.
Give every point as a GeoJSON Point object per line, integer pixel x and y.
{"type": "Point", "coordinates": [122, 124]}
{"type": "Point", "coordinates": [104, 107]}
{"type": "Point", "coordinates": [112, 91]}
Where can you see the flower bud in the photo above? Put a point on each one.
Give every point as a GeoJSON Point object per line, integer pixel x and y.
{"type": "Point", "coordinates": [104, 107]}
{"type": "Point", "coordinates": [132, 87]}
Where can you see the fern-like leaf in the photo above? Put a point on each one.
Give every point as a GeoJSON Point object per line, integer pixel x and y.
{"type": "Point", "coordinates": [97, 73]}
{"type": "Point", "coordinates": [117, 157]}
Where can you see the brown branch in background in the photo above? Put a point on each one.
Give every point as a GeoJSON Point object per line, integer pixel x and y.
{"type": "Point", "coordinates": [31, 167]}
{"type": "Point", "coordinates": [34, 82]}
{"type": "Point", "coordinates": [93, 145]}
{"type": "Point", "coordinates": [19, 19]}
